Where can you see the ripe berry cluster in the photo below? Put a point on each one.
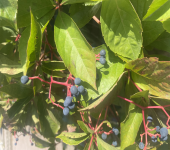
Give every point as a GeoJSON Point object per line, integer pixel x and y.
{"type": "Point", "coordinates": [163, 136]}
{"type": "Point", "coordinates": [102, 56]}
{"type": "Point", "coordinates": [68, 104]}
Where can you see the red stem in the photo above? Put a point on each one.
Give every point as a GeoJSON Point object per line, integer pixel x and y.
{"type": "Point", "coordinates": [91, 142]}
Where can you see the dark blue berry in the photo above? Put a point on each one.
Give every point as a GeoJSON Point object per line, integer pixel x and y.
{"type": "Point", "coordinates": [15, 144]}
{"type": "Point", "coordinates": [77, 81]}
{"type": "Point", "coordinates": [116, 131]}
{"type": "Point", "coordinates": [102, 60]}
{"type": "Point", "coordinates": [68, 101]}
{"type": "Point", "coordinates": [32, 144]}
{"type": "Point", "coordinates": [157, 128]}
{"type": "Point", "coordinates": [164, 138]}
{"type": "Point", "coordinates": [17, 139]}
{"type": "Point", "coordinates": [163, 132]}
{"type": "Point", "coordinates": [76, 94]}
{"type": "Point", "coordinates": [102, 52]}
{"type": "Point", "coordinates": [102, 56]}
{"type": "Point", "coordinates": [104, 136]}
{"type": "Point", "coordinates": [149, 118]}
{"type": "Point", "coordinates": [81, 89]}
{"type": "Point", "coordinates": [71, 106]}
{"type": "Point", "coordinates": [84, 93]}
{"type": "Point", "coordinates": [114, 143]}
{"type": "Point", "coordinates": [74, 90]}
{"type": "Point", "coordinates": [154, 139]}
{"type": "Point", "coordinates": [141, 145]}
{"type": "Point", "coordinates": [65, 111]}
{"type": "Point", "coordinates": [24, 79]}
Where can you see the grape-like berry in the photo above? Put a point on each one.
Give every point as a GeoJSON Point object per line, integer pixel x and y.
{"type": "Point", "coordinates": [104, 136]}
{"type": "Point", "coordinates": [32, 144]}
{"type": "Point", "coordinates": [76, 94]}
{"type": "Point", "coordinates": [141, 145]}
{"type": "Point", "coordinates": [116, 131]}
{"type": "Point", "coordinates": [164, 138]}
{"type": "Point", "coordinates": [74, 90]}
{"type": "Point", "coordinates": [84, 93]}
{"type": "Point", "coordinates": [163, 132]}
{"type": "Point", "coordinates": [149, 118]}
{"type": "Point", "coordinates": [154, 139]}
{"type": "Point", "coordinates": [15, 144]}
{"type": "Point", "coordinates": [102, 60]}
{"type": "Point", "coordinates": [81, 89]}
{"type": "Point", "coordinates": [68, 101]}
{"type": "Point", "coordinates": [114, 143]}
{"type": "Point", "coordinates": [157, 128]}
{"type": "Point", "coordinates": [71, 106]}
{"type": "Point", "coordinates": [65, 111]}
{"type": "Point", "coordinates": [24, 79]}
{"type": "Point", "coordinates": [77, 81]}
{"type": "Point", "coordinates": [17, 139]}
{"type": "Point", "coordinates": [102, 52]}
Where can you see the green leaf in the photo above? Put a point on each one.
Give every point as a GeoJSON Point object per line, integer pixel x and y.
{"type": "Point", "coordinates": [80, 60]}
{"type": "Point", "coordinates": [141, 7]}
{"type": "Point", "coordinates": [5, 61]}
{"type": "Point", "coordinates": [22, 47]}
{"type": "Point", "coordinates": [17, 90]}
{"type": "Point", "coordinates": [82, 14]}
{"type": "Point", "coordinates": [162, 42]}
{"type": "Point", "coordinates": [54, 65]}
{"type": "Point", "coordinates": [157, 88]}
{"type": "Point", "coordinates": [48, 122]}
{"type": "Point", "coordinates": [166, 25]}
{"type": "Point", "coordinates": [122, 35]}
{"type": "Point", "coordinates": [72, 135]}
{"type": "Point", "coordinates": [19, 105]}
{"type": "Point", "coordinates": [39, 142]}
{"type": "Point", "coordinates": [130, 127]}
{"type": "Point", "coordinates": [8, 9]}
{"type": "Point", "coordinates": [11, 69]}
{"type": "Point", "coordinates": [151, 31]}
{"type": "Point", "coordinates": [143, 94]}
{"type": "Point", "coordinates": [158, 11]}
{"type": "Point", "coordinates": [7, 35]}
{"type": "Point", "coordinates": [57, 74]}
{"type": "Point", "coordinates": [66, 2]}
{"type": "Point", "coordinates": [72, 138]}
{"type": "Point", "coordinates": [151, 68]}
{"type": "Point", "coordinates": [102, 145]}
{"type": "Point", "coordinates": [34, 43]}
{"type": "Point", "coordinates": [105, 99]}
{"type": "Point", "coordinates": [39, 8]}
{"type": "Point", "coordinates": [84, 127]}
